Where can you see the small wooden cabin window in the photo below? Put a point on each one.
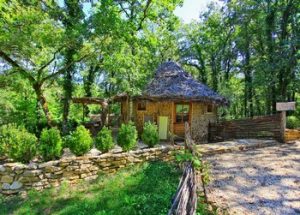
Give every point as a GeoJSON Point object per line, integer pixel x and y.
{"type": "Point", "coordinates": [141, 105]}
{"type": "Point", "coordinates": [209, 108]}
{"type": "Point", "coordinates": [148, 118]}
{"type": "Point", "coordinates": [182, 113]}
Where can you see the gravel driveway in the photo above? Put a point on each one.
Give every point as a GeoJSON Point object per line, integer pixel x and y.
{"type": "Point", "coordinates": [260, 181]}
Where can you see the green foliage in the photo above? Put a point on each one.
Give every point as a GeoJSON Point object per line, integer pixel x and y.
{"type": "Point", "coordinates": [6, 138]}
{"type": "Point", "coordinates": [127, 136]}
{"type": "Point", "coordinates": [42, 52]}
{"type": "Point", "coordinates": [140, 189]}
{"type": "Point", "coordinates": [50, 144]}
{"type": "Point", "coordinates": [196, 160]}
{"type": "Point", "coordinates": [293, 122]}
{"type": "Point", "coordinates": [104, 140]}
{"type": "Point", "coordinates": [17, 143]}
{"type": "Point", "coordinates": [150, 134]}
{"type": "Point", "coordinates": [80, 141]}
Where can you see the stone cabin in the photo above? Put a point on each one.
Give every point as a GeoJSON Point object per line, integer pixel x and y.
{"type": "Point", "coordinates": [172, 98]}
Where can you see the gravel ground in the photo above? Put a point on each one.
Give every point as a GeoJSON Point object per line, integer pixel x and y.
{"type": "Point", "coordinates": [260, 181]}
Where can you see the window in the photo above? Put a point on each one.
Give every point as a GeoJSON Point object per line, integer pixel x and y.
{"type": "Point", "coordinates": [182, 113]}
{"type": "Point", "coordinates": [148, 118]}
{"type": "Point", "coordinates": [209, 109]}
{"type": "Point", "coordinates": [142, 105]}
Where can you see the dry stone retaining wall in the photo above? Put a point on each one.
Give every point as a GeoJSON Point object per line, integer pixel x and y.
{"type": "Point", "coordinates": [292, 134]}
{"type": "Point", "coordinates": [16, 177]}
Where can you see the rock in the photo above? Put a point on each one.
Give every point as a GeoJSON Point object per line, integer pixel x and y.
{"type": "Point", "coordinates": [6, 186]}
{"type": "Point", "coordinates": [2, 168]}
{"type": "Point", "coordinates": [29, 179]}
{"type": "Point", "coordinates": [32, 172]}
{"type": "Point", "coordinates": [93, 168]}
{"type": "Point", "coordinates": [74, 177]}
{"type": "Point", "coordinates": [9, 192]}
{"type": "Point", "coordinates": [68, 174]}
{"type": "Point", "coordinates": [16, 185]}
{"type": "Point", "coordinates": [38, 184]}
{"type": "Point", "coordinates": [48, 164]}
{"type": "Point", "coordinates": [71, 168]}
{"type": "Point", "coordinates": [7, 179]}
{"type": "Point", "coordinates": [106, 164]}
{"type": "Point", "coordinates": [90, 178]}
{"type": "Point", "coordinates": [32, 166]}
{"type": "Point", "coordinates": [58, 173]}
{"type": "Point", "coordinates": [52, 169]}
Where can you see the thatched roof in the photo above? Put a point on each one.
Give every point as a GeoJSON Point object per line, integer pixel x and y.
{"type": "Point", "coordinates": [171, 82]}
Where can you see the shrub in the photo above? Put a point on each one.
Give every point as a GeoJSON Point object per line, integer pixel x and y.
{"type": "Point", "coordinates": [127, 137]}
{"type": "Point", "coordinates": [50, 144]}
{"type": "Point", "coordinates": [293, 122]}
{"type": "Point", "coordinates": [150, 134]}
{"type": "Point", "coordinates": [104, 140]}
{"type": "Point", "coordinates": [17, 143]}
{"type": "Point", "coordinates": [80, 141]}
{"type": "Point", "coordinates": [5, 138]}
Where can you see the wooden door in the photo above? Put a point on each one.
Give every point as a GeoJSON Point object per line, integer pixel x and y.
{"type": "Point", "coordinates": [163, 127]}
{"type": "Point", "coordinates": [182, 114]}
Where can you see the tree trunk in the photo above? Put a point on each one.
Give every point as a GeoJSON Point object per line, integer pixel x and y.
{"type": "Point", "coordinates": [68, 89]}
{"type": "Point", "coordinates": [88, 82]}
{"type": "Point", "coordinates": [271, 71]}
{"type": "Point", "coordinates": [75, 16]}
{"type": "Point", "coordinates": [43, 102]}
{"type": "Point", "coordinates": [214, 74]}
{"type": "Point", "coordinates": [285, 70]}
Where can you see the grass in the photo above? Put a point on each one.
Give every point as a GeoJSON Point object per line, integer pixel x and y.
{"type": "Point", "coordinates": [143, 189]}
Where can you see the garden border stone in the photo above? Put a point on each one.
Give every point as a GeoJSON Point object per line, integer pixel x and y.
{"type": "Point", "coordinates": [19, 178]}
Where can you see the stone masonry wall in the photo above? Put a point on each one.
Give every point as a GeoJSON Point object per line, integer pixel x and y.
{"type": "Point", "coordinates": [17, 177]}
{"type": "Point", "coordinates": [200, 122]}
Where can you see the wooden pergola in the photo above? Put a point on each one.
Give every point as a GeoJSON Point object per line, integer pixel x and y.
{"type": "Point", "coordinates": [92, 100]}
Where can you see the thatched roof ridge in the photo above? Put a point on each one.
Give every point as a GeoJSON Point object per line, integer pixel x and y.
{"type": "Point", "coordinates": [173, 83]}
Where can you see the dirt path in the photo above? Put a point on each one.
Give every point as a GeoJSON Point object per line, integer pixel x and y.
{"type": "Point", "coordinates": [260, 181]}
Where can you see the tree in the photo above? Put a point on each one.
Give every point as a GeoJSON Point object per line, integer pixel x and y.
{"type": "Point", "coordinates": [32, 44]}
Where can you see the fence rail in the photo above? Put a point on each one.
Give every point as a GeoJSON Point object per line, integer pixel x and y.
{"type": "Point", "coordinates": [185, 200]}
{"type": "Point", "coordinates": [258, 127]}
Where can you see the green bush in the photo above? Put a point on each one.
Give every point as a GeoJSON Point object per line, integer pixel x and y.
{"type": "Point", "coordinates": [127, 137]}
{"type": "Point", "coordinates": [50, 144]}
{"type": "Point", "coordinates": [104, 140]}
{"type": "Point", "coordinates": [80, 141]}
{"type": "Point", "coordinates": [150, 134]}
{"type": "Point", "coordinates": [293, 122]}
{"type": "Point", "coordinates": [17, 143]}
{"type": "Point", "coordinates": [5, 138]}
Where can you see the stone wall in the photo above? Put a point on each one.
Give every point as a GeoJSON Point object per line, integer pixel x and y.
{"type": "Point", "coordinates": [200, 122]}
{"type": "Point", "coordinates": [16, 177]}
{"type": "Point", "coordinates": [292, 134]}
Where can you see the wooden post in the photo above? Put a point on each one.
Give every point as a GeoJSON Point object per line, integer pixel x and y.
{"type": "Point", "coordinates": [282, 126]}
{"type": "Point", "coordinates": [283, 107]}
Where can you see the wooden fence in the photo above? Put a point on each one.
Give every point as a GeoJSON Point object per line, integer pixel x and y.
{"type": "Point", "coordinates": [258, 127]}
{"type": "Point", "coordinates": [185, 200]}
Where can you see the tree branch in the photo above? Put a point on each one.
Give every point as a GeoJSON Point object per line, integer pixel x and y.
{"type": "Point", "coordinates": [15, 65]}
{"type": "Point", "coordinates": [124, 9]}
{"type": "Point", "coordinates": [144, 14]}
{"type": "Point", "coordinates": [50, 61]}
{"type": "Point", "coordinates": [62, 70]}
